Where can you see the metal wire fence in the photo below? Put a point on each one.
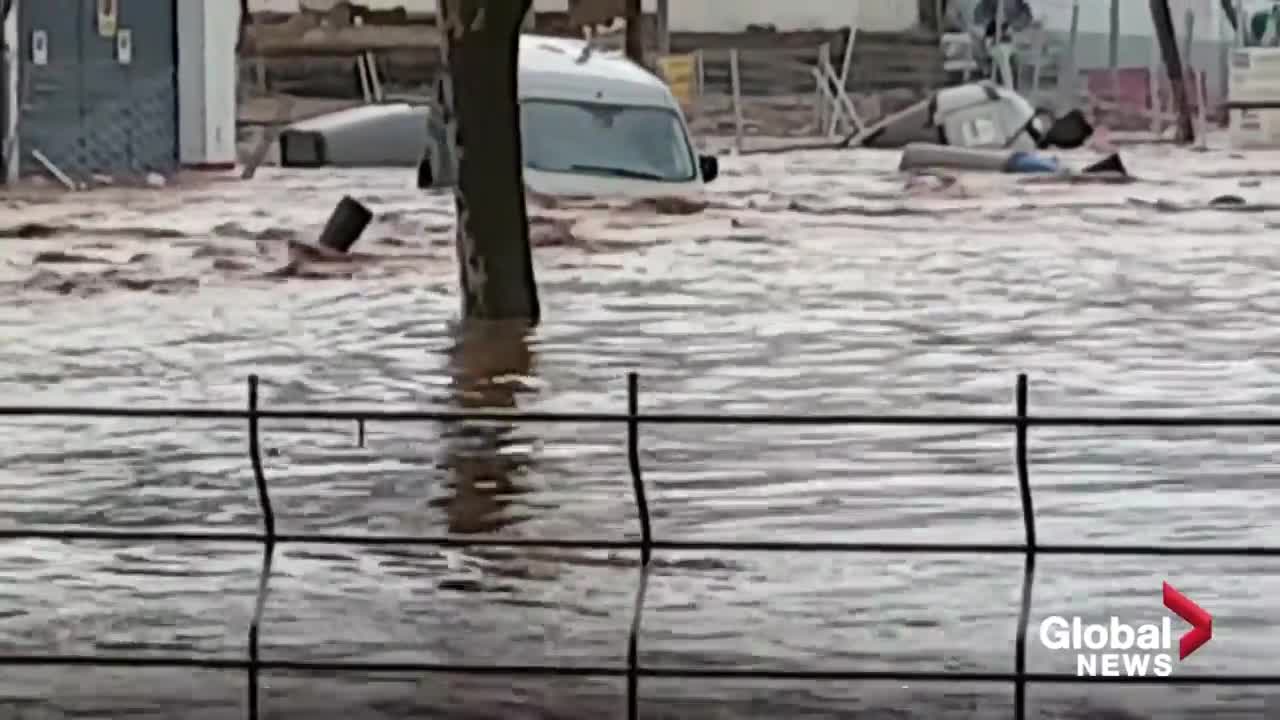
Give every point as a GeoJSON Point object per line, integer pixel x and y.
{"type": "Point", "coordinates": [253, 664]}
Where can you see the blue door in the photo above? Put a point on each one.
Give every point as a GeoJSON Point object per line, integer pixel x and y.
{"type": "Point", "coordinates": [105, 99]}
{"type": "Point", "coordinates": [49, 84]}
{"type": "Point", "coordinates": [151, 79]}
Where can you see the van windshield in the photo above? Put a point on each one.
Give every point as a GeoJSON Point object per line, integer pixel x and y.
{"type": "Point", "coordinates": [647, 143]}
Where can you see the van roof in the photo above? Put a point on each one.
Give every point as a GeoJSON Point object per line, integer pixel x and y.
{"type": "Point", "coordinates": [549, 67]}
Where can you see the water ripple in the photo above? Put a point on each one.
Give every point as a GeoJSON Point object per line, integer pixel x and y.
{"type": "Point", "coordinates": [815, 282]}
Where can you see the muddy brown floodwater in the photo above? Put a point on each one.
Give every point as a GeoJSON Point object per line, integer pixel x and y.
{"type": "Point", "coordinates": [814, 282]}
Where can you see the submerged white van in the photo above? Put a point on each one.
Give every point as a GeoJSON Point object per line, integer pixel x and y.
{"type": "Point", "coordinates": [592, 123]}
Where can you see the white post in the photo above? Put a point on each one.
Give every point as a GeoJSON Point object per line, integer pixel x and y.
{"type": "Point", "coordinates": [841, 105]}
{"type": "Point", "coordinates": [375, 81]}
{"type": "Point", "coordinates": [845, 66]}
{"type": "Point", "coordinates": [1153, 83]}
{"type": "Point", "coordinates": [824, 92]}
{"type": "Point", "coordinates": [828, 74]}
{"type": "Point", "coordinates": [1114, 52]}
{"type": "Point", "coordinates": [698, 61]}
{"type": "Point", "coordinates": [9, 66]}
{"type": "Point", "coordinates": [1202, 112]}
{"type": "Point", "coordinates": [817, 102]}
{"type": "Point", "coordinates": [736, 81]}
{"type": "Point", "coordinates": [1037, 63]}
{"type": "Point", "coordinates": [1069, 94]}
{"type": "Point", "coordinates": [362, 69]}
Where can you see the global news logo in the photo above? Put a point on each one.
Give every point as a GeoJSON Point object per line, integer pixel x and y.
{"type": "Point", "coordinates": [1119, 649]}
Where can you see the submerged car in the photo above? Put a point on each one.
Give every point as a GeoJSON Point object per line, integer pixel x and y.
{"type": "Point", "coordinates": [592, 123]}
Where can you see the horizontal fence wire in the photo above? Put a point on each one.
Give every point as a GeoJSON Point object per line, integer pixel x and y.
{"type": "Point", "coordinates": [269, 538]}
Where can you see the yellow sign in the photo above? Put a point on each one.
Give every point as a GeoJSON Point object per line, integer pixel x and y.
{"type": "Point", "coordinates": [108, 17]}
{"type": "Point", "coordinates": [680, 73]}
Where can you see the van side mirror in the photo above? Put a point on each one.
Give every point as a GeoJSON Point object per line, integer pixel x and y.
{"type": "Point", "coordinates": [425, 176]}
{"type": "Point", "coordinates": [710, 167]}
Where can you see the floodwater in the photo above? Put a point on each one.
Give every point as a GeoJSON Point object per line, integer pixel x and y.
{"type": "Point", "coordinates": [812, 282]}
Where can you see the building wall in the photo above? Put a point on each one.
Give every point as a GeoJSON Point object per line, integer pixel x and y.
{"type": "Point", "coordinates": [1137, 43]}
{"type": "Point", "coordinates": [715, 15]}
{"type": "Point", "coordinates": [1135, 16]}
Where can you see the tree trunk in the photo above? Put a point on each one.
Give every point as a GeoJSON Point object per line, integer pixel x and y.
{"type": "Point", "coordinates": [1229, 9]}
{"type": "Point", "coordinates": [635, 31]}
{"type": "Point", "coordinates": [245, 19]}
{"type": "Point", "coordinates": [1168, 39]}
{"type": "Point", "coordinates": [489, 364]}
{"type": "Point", "coordinates": [495, 264]}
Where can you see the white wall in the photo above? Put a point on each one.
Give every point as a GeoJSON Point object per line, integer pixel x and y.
{"type": "Point", "coordinates": [717, 15]}
{"type": "Point", "coordinates": [735, 15]}
{"type": "Point", "coordinates": [1135, 16]}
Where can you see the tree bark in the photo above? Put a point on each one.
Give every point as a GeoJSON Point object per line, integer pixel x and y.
{"type": "Point", "coordinates": [245, 20]}
{"type": "Point", "coordinates": [635, 31]}
{"type": "Point", "coordinates": [495, 265]}
{"type": "Point", "coordinates": [1162, 18]}
{"type": "Point", "coordinates": [1229, 9]}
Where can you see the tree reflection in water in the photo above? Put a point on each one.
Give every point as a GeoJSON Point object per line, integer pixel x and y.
{"type": "Point", "coordinates": [491, 365]}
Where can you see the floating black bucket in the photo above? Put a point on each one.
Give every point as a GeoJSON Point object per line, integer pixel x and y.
{"type": "Point", "coordinates": [1068, 132]}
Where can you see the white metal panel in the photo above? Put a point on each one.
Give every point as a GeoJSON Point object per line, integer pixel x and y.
{"type": "Point", "coordinates": [1254, 129]}
{"type": "Point", "coordinates": [207, 32]}
{"type": "Point", "coordinates": [191, 75]}
{"type": "Point", "coordinates": [1255, 75]}
{"type": "Point", "coordinates": [222, 27]}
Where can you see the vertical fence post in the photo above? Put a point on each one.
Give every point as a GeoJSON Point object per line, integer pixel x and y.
{"type": "Point", "coordinates": [1068, 90]}
{"type": "Point", "coordinates": [1188, 58]}
{"type": "Point", "coordinates": [735, 82]}
{"type": "Point", "coordinates": [646, 544]}
{"type": "Point", "coordinates": [1029, 528]}
{"type": "Point", "coordinates": [1154, 87]}
{"type": "Point", "coordinates": [268, 548]}
{"type": "Point", "coordinates": [825, 101]}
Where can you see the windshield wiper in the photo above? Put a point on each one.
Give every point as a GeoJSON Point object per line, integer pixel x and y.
{"type": "Point", "coordinates": [620, 172]}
